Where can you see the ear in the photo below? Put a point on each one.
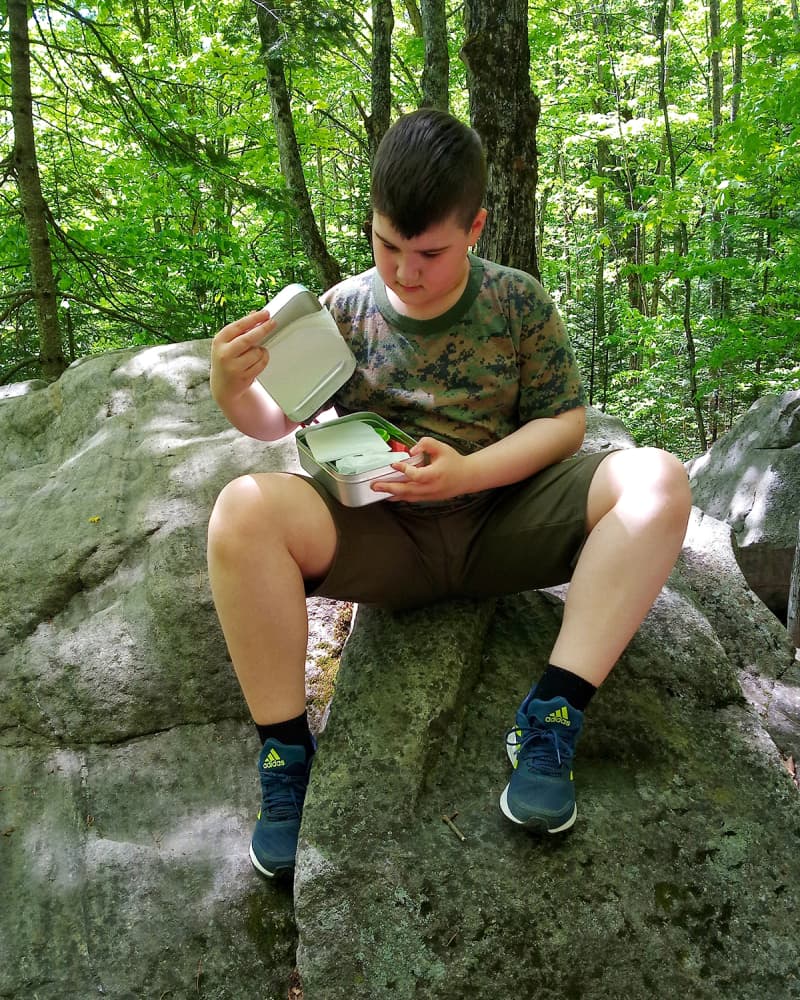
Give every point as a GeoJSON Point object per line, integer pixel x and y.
{"type": "Point", "coordinates": [476, 228]}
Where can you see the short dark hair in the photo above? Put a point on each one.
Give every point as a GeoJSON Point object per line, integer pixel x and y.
{"type": "Point", "coordinates": [428, 166]}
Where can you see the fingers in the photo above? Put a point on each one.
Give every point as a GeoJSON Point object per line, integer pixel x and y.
{"type": "Point", "coordinates": [397, 489]}
{"type": "Point", "coordinates": [254, 361]}
{"type": "Point", "coordinates": [239, 344]}
{"type": "Point", "coordinates": [241, 355]}
{"type": "Point", "coordinates": [442, 476]}
{"type": "Point", "coordinates": [425, 444]}
{"type": "Point", "coordinates": [238, 355]}
{"type": "Point", "coordinates": [409, 471]}
{"type": "Point", "coordinates": [247, 331]}
{"type": "Point", "coordinates": [413, 486]}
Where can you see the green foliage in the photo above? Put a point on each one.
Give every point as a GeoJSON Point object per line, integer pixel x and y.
{"type": "Point", "coordinates": [723, 237]}
{"type": "Point", "coordinates": [158, 162]}
{"type": "Point", "coordinates": [170, 215]}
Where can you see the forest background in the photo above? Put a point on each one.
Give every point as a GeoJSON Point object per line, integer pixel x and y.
{"type": "Point", "coordinates": [166, 168]}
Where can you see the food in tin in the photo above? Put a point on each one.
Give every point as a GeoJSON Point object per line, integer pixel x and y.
{"type": "Point", "coordinates": [355, 446]}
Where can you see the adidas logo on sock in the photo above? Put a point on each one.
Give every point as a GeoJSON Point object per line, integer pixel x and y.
{"type": "Point", "coordinates": [274, 759]}
{"type": "Point", "coordinates": [561, 715]}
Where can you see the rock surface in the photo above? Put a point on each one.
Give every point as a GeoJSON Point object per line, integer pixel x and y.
{"type": "Point", "coordinates": [681, 876]}
{"type": "Point", "coordinates": [750, 478]}
{"type": "Point", "coordinates": [127, 761]}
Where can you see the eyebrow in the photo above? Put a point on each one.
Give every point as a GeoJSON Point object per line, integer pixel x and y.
{"type": "Point", "coordinates": [389, 243]}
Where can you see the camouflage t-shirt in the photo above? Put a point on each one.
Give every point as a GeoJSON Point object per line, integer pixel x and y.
{"type": "Point", "coordinates": [497, 359]}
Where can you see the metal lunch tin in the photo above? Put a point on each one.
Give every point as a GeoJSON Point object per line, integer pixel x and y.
{"type": "Point", "coordinates": [355, 490]}
{"type": "Point", "coordinates": [310, 360]}
{"type": "Point", "coordinates": [308, 357]}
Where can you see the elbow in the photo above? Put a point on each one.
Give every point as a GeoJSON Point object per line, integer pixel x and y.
{"type": "Point", "coordinates": [581, 431]}
{"type": "Point", "coordinates": [574, 422]}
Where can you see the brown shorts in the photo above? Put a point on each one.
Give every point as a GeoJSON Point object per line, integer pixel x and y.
{"type": "Point", "coordinates": [520, 537]}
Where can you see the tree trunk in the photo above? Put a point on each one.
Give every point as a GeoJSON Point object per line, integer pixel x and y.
{"type": "Point", "coordinates": [716, 67]}
{"type": "Point", "coordinates": [34, 210]}
{"type": "Point", "coordinates": [599, 331]}
{"type": "Point", "coordinates": [327, 269]}
{"type": "Point", "coordinates": [414, 16]}
{"type": "Point", "coordinates": [566, 212]}
{"type": "Point", "coordinates": [377, 124]}
{"type": "Point", "coordinates": [721, 247]}
{"type": "Point", "coordinates": [142, 20]}
{"type": "Point", "coordinates": [683, 232]}
{"type": "Point", "coordinates": [717, 281]}
{"type": "Point", "coordinates": [691, 350]}
{"type": "Point", "coordinates": [505, 112]}
{"type": "Point", "coordinates": [436, 71]}
{"type": "Point", "coordinates": [603, 159]}
{"type": "Point", "coordinates": [736, 88]}
{"type": "Point", "coordinates": [793, 614]}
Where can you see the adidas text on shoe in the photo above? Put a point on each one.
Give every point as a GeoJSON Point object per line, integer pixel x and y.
{"type": "Point", "coordinates": [284, 772]}
{"type": "Point", "coordinates": [541, 793]}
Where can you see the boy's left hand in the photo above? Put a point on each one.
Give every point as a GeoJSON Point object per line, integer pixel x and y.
{"type": "Point", "coordinates": [443, 477]}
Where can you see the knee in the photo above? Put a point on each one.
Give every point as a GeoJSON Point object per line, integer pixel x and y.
{"type": "Point", "coordinates": [671, 476]}
{"type": "Point", "coordinates": [646, 487]}
{"type": "Point", "coordinates": [241, 513]}
{"type": "Point", "coordinates": [667, 483]}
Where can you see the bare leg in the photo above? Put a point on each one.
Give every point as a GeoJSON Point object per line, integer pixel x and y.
{"type": "Point", "coordinates": [637, 511]}
{"type": "Point", "coordinates": [267, 534]}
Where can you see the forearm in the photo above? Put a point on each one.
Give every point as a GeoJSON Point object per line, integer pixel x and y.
{"type": "Point", "coordinates": [535, 446]}
{"type": "Point", "coordinates": [254, 413]}
{"type": "Point", "coordinates": [530, 449]}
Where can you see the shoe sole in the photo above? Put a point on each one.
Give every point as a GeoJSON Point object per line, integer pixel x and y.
{"type": "Point", "coordinates": [536, 823]}
{"type": "Point", "coordinates": [279, 869]}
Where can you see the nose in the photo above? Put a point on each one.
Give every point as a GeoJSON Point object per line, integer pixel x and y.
{"type": "Point", "coordinates": [407, 270]}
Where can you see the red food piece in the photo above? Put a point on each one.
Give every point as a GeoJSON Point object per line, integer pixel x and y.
{"type": "Point", "coordinates": [396, 445]}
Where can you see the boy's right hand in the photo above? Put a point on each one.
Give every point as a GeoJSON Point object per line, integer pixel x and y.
{"type": "Point", "coordinates": [237, 356]}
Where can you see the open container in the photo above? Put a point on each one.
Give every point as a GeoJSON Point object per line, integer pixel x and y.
{"type": "Point", "coordinates": [309, 361]}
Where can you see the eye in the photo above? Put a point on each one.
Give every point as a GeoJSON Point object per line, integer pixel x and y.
{"type": "Point", "coordinates": [430, 254]}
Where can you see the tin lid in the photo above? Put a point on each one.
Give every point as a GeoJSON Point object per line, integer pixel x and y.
{"type": "Point", "coordinates": [308, 357]}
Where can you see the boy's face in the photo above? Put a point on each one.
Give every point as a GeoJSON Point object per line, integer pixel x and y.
{"type": "Point", "coordinates": [424, 275]}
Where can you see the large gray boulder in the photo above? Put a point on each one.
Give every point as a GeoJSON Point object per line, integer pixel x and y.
{"type": "Point", "coordinates": [127, 761]}
{"type": "Point", "coordinates": [127, 764]}
{"type": "Point", "coordinates": [750, 478]}
{"type": "Point", "coordinates": [680, 877]}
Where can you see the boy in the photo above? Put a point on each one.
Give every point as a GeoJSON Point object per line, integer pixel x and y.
{"type": "Point", "coordinates": [472, 359]}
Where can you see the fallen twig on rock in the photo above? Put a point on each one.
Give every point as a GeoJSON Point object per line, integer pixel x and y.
{"type": "Point", "coordinates": [453, 827]}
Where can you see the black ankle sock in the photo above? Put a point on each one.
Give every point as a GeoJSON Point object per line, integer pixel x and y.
{"type": "Point", "coordinates": [556, 682]}
{"type": "Point", "coordinates": [292, 733]}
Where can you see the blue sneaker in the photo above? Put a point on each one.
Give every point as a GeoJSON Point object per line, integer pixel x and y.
{"type": "Point", "coordinates": [284, 772]}
{"type": "Point", "coordinates": [541, 793]}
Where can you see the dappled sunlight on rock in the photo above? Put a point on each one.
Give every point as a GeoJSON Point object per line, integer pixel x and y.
{"type": "Point", "coordinates": [750, 478]}
{"type": "Point", "coordinates": [670, 873]}
{"type": "Point", "coordinates": [128, 782]}
{"type": "Point", "coordinates": [181, 365]}
{"type": "Point", "coordinates": [100, 440]}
